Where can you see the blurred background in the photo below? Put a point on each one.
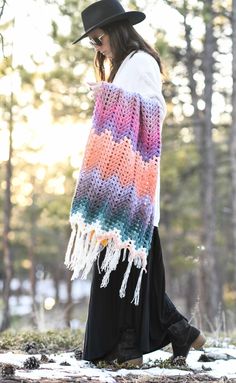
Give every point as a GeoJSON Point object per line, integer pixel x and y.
{"type": "Point", "coordinates": [45, 117]}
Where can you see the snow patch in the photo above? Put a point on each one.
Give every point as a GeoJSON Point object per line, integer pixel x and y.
{"type": "Point", "coordinates": [219, 368]}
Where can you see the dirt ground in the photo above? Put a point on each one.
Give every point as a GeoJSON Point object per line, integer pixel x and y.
{"type": "Point", "coordinates": [129, 379]}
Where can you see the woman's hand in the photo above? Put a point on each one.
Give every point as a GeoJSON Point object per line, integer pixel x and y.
{"type": "Point", "coordinates": [94, 88]}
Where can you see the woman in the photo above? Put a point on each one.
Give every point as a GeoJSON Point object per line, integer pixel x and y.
{"type": "Point", "coordinates": [115, 210]}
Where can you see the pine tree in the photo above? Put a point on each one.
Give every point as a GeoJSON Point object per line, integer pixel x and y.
{"type": "Point", "coordinates": [233, 135]}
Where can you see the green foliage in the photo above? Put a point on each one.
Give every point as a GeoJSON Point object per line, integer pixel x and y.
{"type": "Point", "coordinates": [52, 341]}
{"type": "Point", "coordinates": [66, 82]}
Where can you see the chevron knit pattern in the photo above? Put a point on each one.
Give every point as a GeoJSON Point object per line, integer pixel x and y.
{"type": "Point", "coordinates": [113, 204]}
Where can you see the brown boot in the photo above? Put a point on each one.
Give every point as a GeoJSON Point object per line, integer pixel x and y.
{"type": "Point", "coordinates": [126, 351]}
{"type": "Point", "coordinates": [184, 336]}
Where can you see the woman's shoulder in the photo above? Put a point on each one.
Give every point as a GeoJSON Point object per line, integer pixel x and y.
{"type": "Point", "coordinates": [141, 57]}
{"type": "Point", "coordinates": [139, 72]}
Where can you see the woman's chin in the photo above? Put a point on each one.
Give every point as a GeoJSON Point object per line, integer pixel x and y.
{"type": "Point", "coordinates": [107, 55]}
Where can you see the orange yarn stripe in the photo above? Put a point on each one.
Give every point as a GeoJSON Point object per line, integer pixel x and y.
{"type": "Point", "coordinates": [119, 158]}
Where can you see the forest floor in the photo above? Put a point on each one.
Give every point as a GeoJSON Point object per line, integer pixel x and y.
{"type": "Point", "coordinates": [129, 379]}
{"type": "Point", "coordinates": [55, 357]}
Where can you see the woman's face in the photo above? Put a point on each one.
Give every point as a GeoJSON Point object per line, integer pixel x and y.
{"type": "Point", "coordinates": [103, 37]}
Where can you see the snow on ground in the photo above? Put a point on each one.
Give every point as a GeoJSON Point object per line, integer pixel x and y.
{"type": "Point", "coordinates": [219, 368]}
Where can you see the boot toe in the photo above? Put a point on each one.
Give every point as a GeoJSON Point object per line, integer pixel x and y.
{"type": "Point", "coordinates": [183, 337]}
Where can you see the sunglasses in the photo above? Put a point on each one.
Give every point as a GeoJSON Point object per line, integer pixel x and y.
{"type": "Point", "coordinates": [96, 41]}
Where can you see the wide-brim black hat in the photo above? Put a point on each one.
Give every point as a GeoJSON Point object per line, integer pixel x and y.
{"type": "Point", "coordinates": [105, 12]}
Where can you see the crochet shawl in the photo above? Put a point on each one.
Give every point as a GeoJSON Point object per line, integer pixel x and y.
{"type": "Point", "coordinates": [113, 203]}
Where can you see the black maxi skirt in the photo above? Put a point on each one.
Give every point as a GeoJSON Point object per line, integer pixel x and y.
{"type": "Point", "coordinates": [109, 315]}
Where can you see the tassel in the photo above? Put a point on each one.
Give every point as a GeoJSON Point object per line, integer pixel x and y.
{"type": "Point", "coordinates": [99, 271]}
{"type": "Point", "coordinates": [87, 250]}
{"type": "Point", "coordinates": [85, 254]}
{"type": "Point", "coordinates": [77, 259]}
{"type": "Point", "coordinates": [93, 253]}
{"type": "Point", "coordinates": [108, 255]}
{"type": "Point", "coordinates": [77, 255]}
{"type": "Point", "coordinates": [113, 262]}
{"type": "Point", "coordinates": [74, 256]}
{"type": "Point", "coordinates": [138, 262]}
{"type": "Point", "coordinates": [87, 243]}
{"type": "Point", "coordinates": [125, 254]}
{"type": "Point", "coordinates": [70, 246]}
{"type": "Point", "coordinates": [137, 289]}
{"type": "Point", "coordinates": [125, 279]}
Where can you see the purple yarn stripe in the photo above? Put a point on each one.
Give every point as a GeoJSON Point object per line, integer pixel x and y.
{"type": "Point", "coordinates": [113, 196]}
{"type": "Point", "coordinates": [134, 126]}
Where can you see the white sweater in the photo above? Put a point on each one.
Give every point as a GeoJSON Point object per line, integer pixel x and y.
{"type": "Point", "coordinates": [140, 73]}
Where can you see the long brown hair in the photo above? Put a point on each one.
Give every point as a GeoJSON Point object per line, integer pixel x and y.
{"type": "Point", "coordinates": [123, 40]}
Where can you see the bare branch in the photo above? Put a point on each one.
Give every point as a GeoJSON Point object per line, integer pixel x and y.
{"type": "Point", "coordinates": [4, 2]}
{"type": "Point", "coordinates": [52, 2]}
{"type": "Point", "coordinates": [2, 44]}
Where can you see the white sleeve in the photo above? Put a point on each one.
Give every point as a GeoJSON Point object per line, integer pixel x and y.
{"type": "Point", "coordinates": [141, 74]}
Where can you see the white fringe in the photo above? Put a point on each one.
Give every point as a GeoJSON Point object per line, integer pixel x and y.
{"type": "Point", "coordinates": [137, 289]}
{"type": "Point", "coordinates": [72, 259]}
{"type": "Point", "coordinates": [93, 252]}
{"type": "Point", "coordinates": [77, 260]}
{"type": "Point", "coordinates": [125, 279]}
{"type": "Point", "coordinates": [83, 250]}
{"type": "Point", "coordinates": [81, 253]}
{"type": "Point", "coordinates": [98, 266]}
{"type": "Point", "coordinates": [112, 257]}
{"type": "Point", "coordinates": [138, 262]}
{"type": "Point", "coordinates": [70, 246]}
{"type": "Point", "coordinates": [110, 249]}
{"type": "Point", "coordinates": [125, 254]}
{"type": "Point", "coordinates": [87, 241]}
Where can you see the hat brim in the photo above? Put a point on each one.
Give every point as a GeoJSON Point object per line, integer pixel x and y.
{"type": "Point", "coordinates": [134, 17]}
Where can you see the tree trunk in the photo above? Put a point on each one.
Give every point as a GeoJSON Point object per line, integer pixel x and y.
{"type": "Point", "coordinates": [209, 290]}
{"type": "Point", "coordinates": [168, 254]}
{"type": "Point", "coordinates": [189, 62]}
{"type": "Point", "coordinates": [233, 134]}
{"type": "Point", "coordinates": [68, 309]}
{"type": "Point", "coordinates": [34, 214]}
{"type": "Point", "coordinates": [191, 299]}
{"type": "Point", "coordinates": [7, 256]}
{"type": "Point", "coordinates": [31, 253]}
{"type": "Point", "coordinates": [56, 282]}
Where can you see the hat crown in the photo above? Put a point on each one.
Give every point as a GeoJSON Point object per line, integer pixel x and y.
{"type": "Point", "coordinates": [104, 12]}
{"type": "Point", "coordinates": [100, 11]}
